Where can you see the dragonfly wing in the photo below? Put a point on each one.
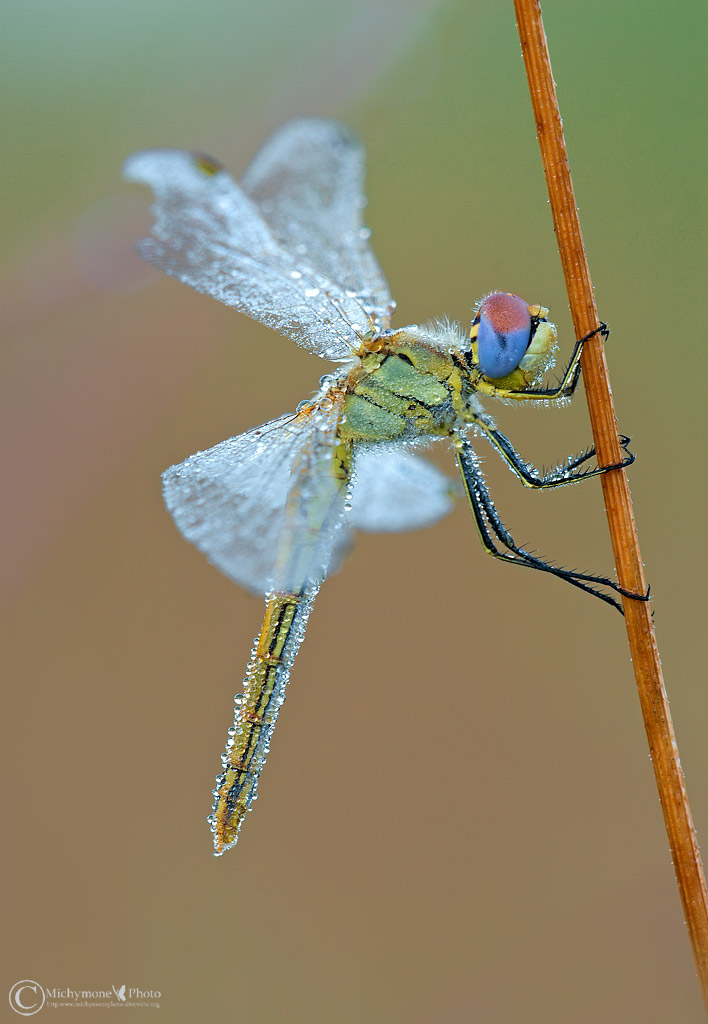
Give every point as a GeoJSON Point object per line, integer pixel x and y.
{"type": "Point", "coordinates": [308, 183]}
{"type": "Point", "coordinates": [394, 490]}
{"type": "Point", "coordinates": [267, 508]}
{"type": "Point", "coordinates": [210, 235]}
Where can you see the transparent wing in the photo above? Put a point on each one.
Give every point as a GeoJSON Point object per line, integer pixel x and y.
{"type": "Point", "coordinates": [267, 508]}
{"type": "Point", "coordinates": [394, 490]}
{"type": "Point", "coordinates": [210, 235]}
{"type": "Point", "coordinates": [308, 183]}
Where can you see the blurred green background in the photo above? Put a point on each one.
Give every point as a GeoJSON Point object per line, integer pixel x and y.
{"type": "Point", "coordinates": [517, 869]}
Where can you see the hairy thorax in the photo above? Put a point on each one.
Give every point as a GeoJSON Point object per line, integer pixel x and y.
{"type": "Point", "coordinates": [403, 387]}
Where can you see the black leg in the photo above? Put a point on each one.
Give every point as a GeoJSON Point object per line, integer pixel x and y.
{"type": "Point", "coordinates": [568, 472]}
{"type": "Point", "coordinates": [490, 527]}
{"type": "Point", "coordinates": [570, 378]}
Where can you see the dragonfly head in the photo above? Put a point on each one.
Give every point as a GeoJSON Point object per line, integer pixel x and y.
{"type": "Point", "coordinates": [511, 343]}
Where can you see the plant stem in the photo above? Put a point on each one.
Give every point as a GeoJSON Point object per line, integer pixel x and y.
{"type": "Point", "coordinates": [618, 505]}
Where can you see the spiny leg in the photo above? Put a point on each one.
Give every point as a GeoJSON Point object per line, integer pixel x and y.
{"type": "Point", "coordinates": [490, 525]}
{"type": "Point", "coordinates": [568, 472]}
{"type": "Point", "coordinates": [570, 378]}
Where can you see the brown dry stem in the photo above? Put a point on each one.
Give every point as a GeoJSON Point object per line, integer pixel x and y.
{"type": "Point", "coordinates": [618, 505]}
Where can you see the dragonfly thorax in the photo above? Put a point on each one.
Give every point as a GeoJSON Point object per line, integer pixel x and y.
{"type": "Point", "coordinates": [405, 386]}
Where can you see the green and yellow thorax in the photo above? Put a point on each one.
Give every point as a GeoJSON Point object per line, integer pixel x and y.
{"type": "Point", "coordinates": [402, 387]}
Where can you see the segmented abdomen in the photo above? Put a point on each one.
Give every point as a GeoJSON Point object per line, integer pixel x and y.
{"type": "Point", "coordinates": [257, 709]}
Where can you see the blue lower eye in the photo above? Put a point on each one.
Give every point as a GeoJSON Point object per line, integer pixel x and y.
{"type": "Point", "coordinates": [501, 346]}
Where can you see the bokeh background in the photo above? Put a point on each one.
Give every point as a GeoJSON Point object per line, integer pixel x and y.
{"type": "Point", "coordinates": [516, 867]}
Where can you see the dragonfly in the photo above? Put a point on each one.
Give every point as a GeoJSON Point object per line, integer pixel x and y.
{"type": "Point", "coordinates": [275, 508]}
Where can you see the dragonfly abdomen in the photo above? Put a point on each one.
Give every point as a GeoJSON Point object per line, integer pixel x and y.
{"type": "Point", "coordinates": [256, 712]}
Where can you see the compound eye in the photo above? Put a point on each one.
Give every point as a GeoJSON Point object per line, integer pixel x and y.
{"type": "Point", "coordinates": [503, 335]}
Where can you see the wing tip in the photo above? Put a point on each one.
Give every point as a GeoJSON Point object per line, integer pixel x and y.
{"type": "Point", "coordinates": [169, 166]}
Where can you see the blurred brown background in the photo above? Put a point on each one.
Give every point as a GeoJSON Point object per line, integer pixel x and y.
{"type": "Point", "coordinates": [458, 819]}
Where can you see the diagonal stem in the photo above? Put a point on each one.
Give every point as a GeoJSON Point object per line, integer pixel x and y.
{"type": "Point", "coordinates": [640, 628]}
